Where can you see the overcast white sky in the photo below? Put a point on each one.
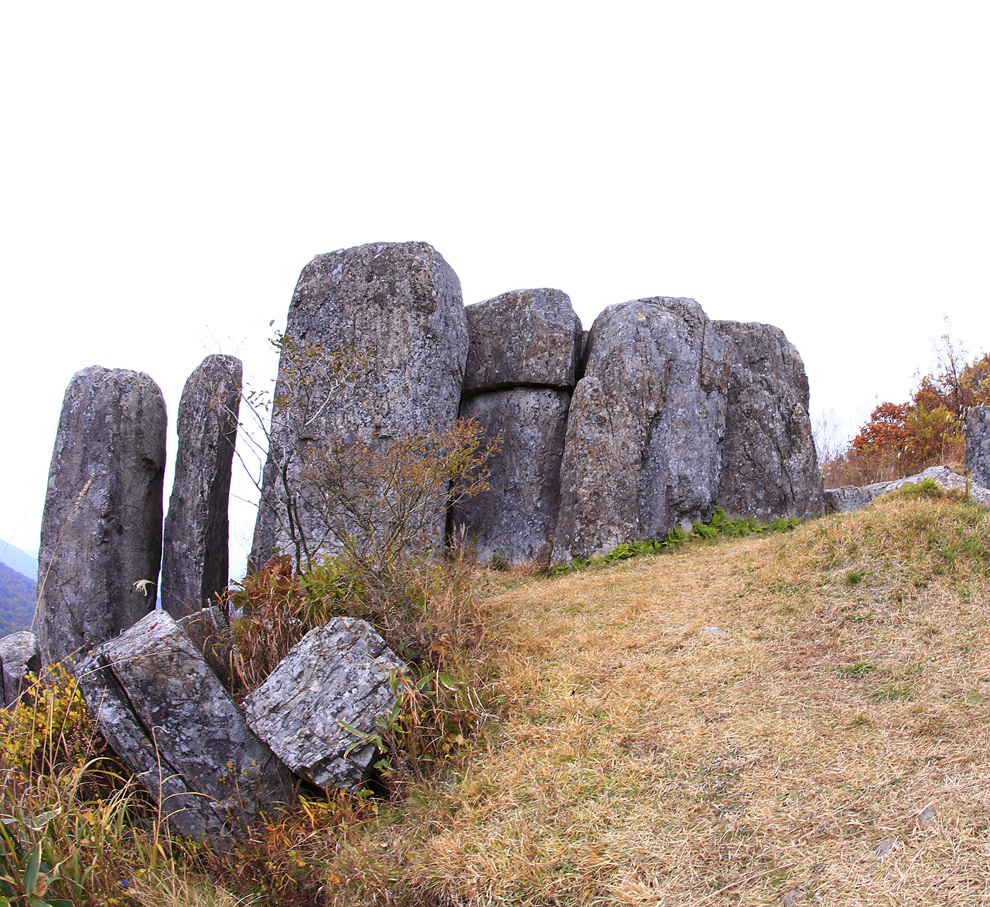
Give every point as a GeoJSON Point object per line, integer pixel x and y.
{"type": "Point", "coordinates": [168, 169]}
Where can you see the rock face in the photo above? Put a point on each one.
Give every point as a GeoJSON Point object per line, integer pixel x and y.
{"type": "Point", "coordinates": [521, 369]}
{"type": "Point", "coordinates": [769, 465]}
{"type": "Point", "coordinates": [647, 420]}
{"type": "Point", "coordinates": [393, 316]}
{"type": "Point", "coordinates": [168, 718]}
{"type": "Point", "coordinates": [102, 527]}
{"type": "Point", "coordinates": [195, 563]}
{"type": "Point", "coordinates": [978, 444]}
{"type": "Point", "coordinates": [18, 655]}
{"type": "Point", "coordinates": [337, 673]}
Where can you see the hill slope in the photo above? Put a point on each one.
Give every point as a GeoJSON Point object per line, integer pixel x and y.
{"type": "Point", "coordinates": [758, 721]}
{"type": "Point", "coordinates": [17, 600]}
{"type": "Point", "coordinates": [18, 560]}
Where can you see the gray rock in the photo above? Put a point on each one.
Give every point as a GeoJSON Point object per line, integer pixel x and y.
{"type": "Point", "coordinates": [524, 337]}
{"type": "Point", "coordinates": [101, 532]}
{"type": "Point", "coordinates": [169, 719]}
{"type": "Point", "coordinates": [195, 559]}
{"type": "Point", "coordinates": [337, 673]}
{"type": "Point", "coordinates": [209, 631]}
{"type": "Point", "coordinates": [644, 434]}
{"type": "Point", "coordinates": [516, 517]}
{"type": "Point", "coordinates": [769, 464]}
{"type": "Point", "coordinates": [852, 497]}
{"type": "Point", "coordinates": [978, 444]}
{"type": "Point", "coordinates": [18, 655]}
{"type": "Point", "coordinates": [392, 310]}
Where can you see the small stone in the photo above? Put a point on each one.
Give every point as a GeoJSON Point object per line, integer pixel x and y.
{"type": "Point", "coordinates": [927, 815]}
{"type": "Point", "coordinates": [884, 847]}
{"type": "Point", "coordinates": [791, 898]}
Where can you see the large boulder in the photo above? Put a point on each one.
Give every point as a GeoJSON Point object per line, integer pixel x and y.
{"type": "Point", "coordinates": [978, 444]}
{"type": "Point", "coordinates": [374, 349]}
{"type": "Point", "coordinates": [644, 434]}
{"type": "Point", "coordinates": [524, 337]}
{"type": "Point", "coordinates": [516, 516]}
{"type": "Point", "coordinates": [769, 464]}
{"type": "Point", "coordinates": [169, 719]}
{"type": "Point", "coordinates": [18, 656]}
{"type": "Point", "coordinates": [101, 533]}
{"type": "Point", "coordinates": [338, 675]}
{"type": "Point", "coordinates": [195, 559]}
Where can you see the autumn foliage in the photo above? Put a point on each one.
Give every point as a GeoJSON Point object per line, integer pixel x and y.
{"type": "Point", "coordinates": [901, 439]}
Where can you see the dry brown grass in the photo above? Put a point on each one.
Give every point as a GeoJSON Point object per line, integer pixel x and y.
{"type": "Point", "coordinates": [795, 719]}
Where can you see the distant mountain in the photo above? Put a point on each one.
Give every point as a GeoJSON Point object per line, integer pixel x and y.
{"type": "Point", "coordinates": [18, 560]}
{"type": "Point", "coordinates": [17, 598]}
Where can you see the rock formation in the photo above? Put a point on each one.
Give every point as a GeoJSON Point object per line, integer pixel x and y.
{"type": "Point", "coordinates": [195, 563]}
{"type": "Point", "coordinates": [978, 444]}
{"type": "Point", "coordinates": [854, 497]}
{"type": "Point", "coordinates": [645, 430]}
{"type": "Point", "coordinates": [169, 719]}
{"type": "Point", "coordinates": [337, 674]}
{"type": "Point", "coordinates": [769, 465]}
{"type": "Point", "coordinates": [18, 655]}
{"type": "Point", "coordinates": [521, 369]}
{"type": "Point", "coordinates": [375, 346]}
{"type": "Point", "coordinates": [101, 533]}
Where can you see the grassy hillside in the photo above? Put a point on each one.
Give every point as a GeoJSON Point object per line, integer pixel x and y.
{"type": "Point", "coordinates": [17, 600]}
{"type": "Point", "coordinates": [803, 718]}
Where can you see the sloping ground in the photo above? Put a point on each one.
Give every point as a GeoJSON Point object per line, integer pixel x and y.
{"type": "Point", "coordinates": [802, 718]}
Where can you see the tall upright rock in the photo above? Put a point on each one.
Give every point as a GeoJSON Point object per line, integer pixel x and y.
{"type": "Point", "coordinates": [195, 559]}
{"type": "Point", "coordinates": [978, 444]}
{"type": "Point", "coordinates": [101, 533]}
{"type": "Point", "coordinates": [374, 349]}
{"type": "Point", "coordinates": [769, 464]}
{"type": "Point", "coordinates": [647, 420]}
{"type": "Point", "coordinates": [521, 369]}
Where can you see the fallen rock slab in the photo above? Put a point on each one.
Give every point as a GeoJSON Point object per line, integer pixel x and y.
{"type": "Point", "coordinates": [854, 497]}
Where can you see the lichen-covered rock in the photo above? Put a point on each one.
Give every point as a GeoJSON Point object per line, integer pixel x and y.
{"type": "Point", "coordinates": [337, 674]}
{"type": "Point", "coordinates": [195, 559]}
{"type": "Point", "coordinates": [644, 434]}
{"type": "Point", "coordinates": [101, 533]}
{"type": "Point", "coordinates": [209, 631]}
{"type": "Point", "coordinates": [392, 313]}
{"type": "Point", "coordinates": [516, 517]}
{"type": "Point", "coordinates": [18, 655]}
{"type": "Point", "coordinates": [769, 464]}
{"type": "Point", "coordinates": [853, 497]}
{"type": "Point", "coordinates": [524, 337]}
{"type": "Point", "coordinates": [978, 444]}
{"type": "Point", "coordinates": [169, 719]}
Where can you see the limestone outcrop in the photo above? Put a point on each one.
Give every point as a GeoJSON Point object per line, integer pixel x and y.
{"type": "Point", "coordinates": [645, 430]}
{"type": "Point", "coordinates": [978, 444]}
{"type": "Point", "coordinates": [381, 336]}
{"type": "Point", "coordinates": [195, 559]}
{"type": "Point", "coordinates": [101, 533]}
{"type": "Point", "coordinates": [19, 654]}
{"type": "Point", "coordinates": [854, 497]}
{"type": "Point", "coordinates": [523, 361]}
{"type": "Point", "coordinates": [170, 720]}
{"type": "Point", "coordinates": [769, 464]}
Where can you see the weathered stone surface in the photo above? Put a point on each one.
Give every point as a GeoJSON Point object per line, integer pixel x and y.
{"type": "Point", "coordinates": [978, 444]}
{"type": "Point", "coordinates": [398, 307]}
{"type": "Point", "coordinates": [18, 655]}
{"type": "Point", "coordinates": [769, 464]}
{"type": "Point", "coordinates": [195, 559]}
{"type": "Point", "coordinates": [337, 673]}
{"type": "Point", "coordinates": [169, 719]}
{"type": "Point", "coordinates": [644, 434]}
{"type": "Point", "coordinates": [854, 497]}
{"type": "Point", "coordinates": [525, 337]}
{"type": "Point", "coordinates": [209, 631]}
{"type": "Point", "coordinates": [102, 527]}
{"type": "Point", "coordinates": [516, 517]}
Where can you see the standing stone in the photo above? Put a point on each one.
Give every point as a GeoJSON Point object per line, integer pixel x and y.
{"type": "Point", "coordinates": [18, 656]}
{"type": "Point", "coordinates": [978, 444]}
{"type": "Point", "coordinates": [516, 517]}
{"type": "Point", "coordinates": [521, 369]}
{"type": "Point", "coordinates": [644, 435]}
{"type": "Point", "coordinates": [336, 675]}
{"type": "Point", "coordinates": [101, 533]}
{"type": "Point", "coordinates": [195, 559]}
{"type": "Point", "coordinates": [524, 337]}
{"type": "Point", "coordinates": [769, 464]}
{"type": "Point", "coordinates": [169, 719]}
{"type": "Point", "coordinates": [392, 313]}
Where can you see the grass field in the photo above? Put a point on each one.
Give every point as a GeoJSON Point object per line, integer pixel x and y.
{"type": "Point", "coordinates": [795, 719]}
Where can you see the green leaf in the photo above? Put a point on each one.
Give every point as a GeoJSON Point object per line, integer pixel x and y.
{"type": "Point", "coordinates": [33, 868]}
